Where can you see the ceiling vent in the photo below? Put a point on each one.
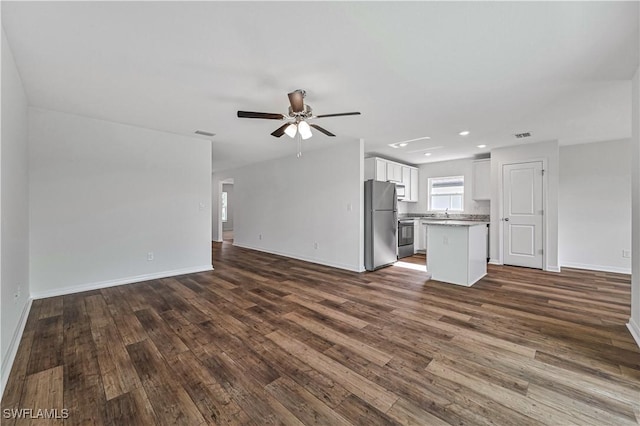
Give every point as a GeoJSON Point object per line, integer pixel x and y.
{"type": "Point", "coordinates": [523, 135]}
{"type": "Point", "coordinates": [203, 133]}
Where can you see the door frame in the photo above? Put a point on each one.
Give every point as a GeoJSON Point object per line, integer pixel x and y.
{"type": "Point", "coordinates": [545, 216]}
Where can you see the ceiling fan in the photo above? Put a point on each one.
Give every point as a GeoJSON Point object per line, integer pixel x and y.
{"type": "Point", "coordinates": [299, 113]}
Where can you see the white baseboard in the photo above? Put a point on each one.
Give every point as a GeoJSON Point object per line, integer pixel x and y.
{"type": "Point", "coordinates": [119, 281]}
{"type": "Point", "coordinates": [494, 262]}
{"type": "Point", "coordinates": [553, 269]}
{"type": "Point", "coordinates": [12, 350]}
{"type": "Point", "coordinates": [306, 259]}
{"type": "Point", "coordinates": [602, 268]}
{"type": "Point", "coordinates": [634, 329]}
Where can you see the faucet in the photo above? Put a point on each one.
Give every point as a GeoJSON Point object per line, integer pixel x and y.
{"type": "Point", "coordinates": [446, 213]}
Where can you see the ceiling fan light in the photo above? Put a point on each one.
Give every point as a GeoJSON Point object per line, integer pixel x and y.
{"type": "Point", "coordinates": [291, 130]}
{"type": "Point", "coordinates": [304, 129]}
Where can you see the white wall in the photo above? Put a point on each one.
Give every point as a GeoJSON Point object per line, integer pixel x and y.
{"type": "Point", "coordinates": [594, 206]}
{"type": "Point", "coordinates": [548, 152]}
{"type": "Point", "coordinates": [104, 194]}
{"type": "Point", "coordinates": [14, 211]}
{"type": "Point", "coordinates": [634, 321]}
{"type": "Point", "coordinates": [296, 202]}
{"type": "Point", "coordinates": [462, 167]}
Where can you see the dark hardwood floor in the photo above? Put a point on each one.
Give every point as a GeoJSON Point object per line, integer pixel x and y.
{"type": "Point", "coordinates": [264, 339]}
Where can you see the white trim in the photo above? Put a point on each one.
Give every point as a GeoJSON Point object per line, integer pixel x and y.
{"type": "Point", "coordinates": [495, 262]}
{"type": "Point", "coordinates": [304, 258]}
{"type": "Point", "coordinates": [119, 281]}
{"type": "Point", "coordinates": [634, 329]}
{"type": "Point", "coordinates": [12, 350]}
{"type": "Point", "coordinates": [552, 269]}
{"type": "Point", "coordinates": [603, 268]}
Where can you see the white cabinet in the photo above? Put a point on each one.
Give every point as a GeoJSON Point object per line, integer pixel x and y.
{"type": "Point", "coordinates": [381, 169]}
{"type": "Point", "coordinates": [420, 240]}
{"type": "Point", "coordinates": [482, 180]}
{"type": "Point", "coordinates": [413, 190]}
{"type": "Point", "coordinates": [406, 181]}
{"type": "Point", "coordinates": [457, 254]}
{"type": "Point", "coordinates": [375, 168]}
{"type": "Point", "coordinates": [389, 171]}
{"type": "Point", "coordinates": [394, 172]}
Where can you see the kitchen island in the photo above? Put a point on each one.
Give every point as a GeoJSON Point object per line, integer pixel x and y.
{"type": "Point", "coordinates": [456, 250]}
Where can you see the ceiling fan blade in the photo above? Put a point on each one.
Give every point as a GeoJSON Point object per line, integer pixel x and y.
{"type": "Point", "coordinates": [280, 130]}
{"type": "Point", "coordinates": [325, 131]}
{"type": "Point", "coordinates": [265, 115]}
{"type": "Point", "coordinates": [296, 101]}
{"type": "Point", "coordinates": [337, 115]}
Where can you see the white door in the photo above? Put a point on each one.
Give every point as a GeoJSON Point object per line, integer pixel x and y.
{"type": "Point", "coordinates": [522, 215]}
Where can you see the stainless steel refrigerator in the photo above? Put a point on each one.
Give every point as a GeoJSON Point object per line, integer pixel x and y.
{"type": "Point", "coordinates": [380, 224]}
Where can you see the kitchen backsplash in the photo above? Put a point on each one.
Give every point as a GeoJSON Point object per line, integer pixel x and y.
{"type": "Point", "coordinates": [460, 216]}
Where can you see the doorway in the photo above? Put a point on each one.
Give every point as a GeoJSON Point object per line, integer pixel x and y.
{"type": "Point", "coordinates": [523, 214]}
{"type": "Point", "coordinates": [226, 212]}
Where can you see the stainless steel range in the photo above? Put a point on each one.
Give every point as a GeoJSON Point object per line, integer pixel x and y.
{"type": "Point", "coordinates": [405, 238]}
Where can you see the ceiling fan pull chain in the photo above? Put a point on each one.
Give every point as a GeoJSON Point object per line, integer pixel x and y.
{"type": "Point", "coordinates": [299, 154]}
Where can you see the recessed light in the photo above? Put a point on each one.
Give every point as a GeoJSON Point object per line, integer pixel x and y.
{"type": "Point", "coordinates": [403, 144]}
{"type": "Point", "coordinates": [427, 154]}
{"type": "Point", "coordinates": [482, 146]}
{"type": "Point", "coordinates": [464, 133]}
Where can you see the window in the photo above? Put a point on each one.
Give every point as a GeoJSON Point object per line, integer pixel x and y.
{"type": "Point", "coordinates": [224, 206]}
{"type": "Point", "coordinates": [446, 193]}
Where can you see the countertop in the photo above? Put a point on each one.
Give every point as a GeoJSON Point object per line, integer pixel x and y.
{"type": "Point", "coordinates": [453, 222]}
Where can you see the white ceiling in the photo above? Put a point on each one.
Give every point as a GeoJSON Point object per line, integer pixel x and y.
{"type": "Point", "coordinates": [414, 69]}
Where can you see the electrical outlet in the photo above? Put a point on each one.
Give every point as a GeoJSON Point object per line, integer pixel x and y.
{"type": "Point", "coordinates": [201, 206]}
{"type": "Point", "coordinates": [626, 254]}
{"type": "Point", "coordinates": [260, 236]}
{"type": "Point", "coordinates": [315, 245]}
{"type": "Point", "coordinates": [349, 207]}
{"type": "Point", "coordinates": [150, 256]}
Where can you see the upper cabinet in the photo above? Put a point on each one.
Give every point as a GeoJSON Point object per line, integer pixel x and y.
{"type": "Point", "coordinates": [389, 171]}
{"type": "Point", "coordinates": [380, 170]}
{"type": "Point", "coordinates": [413, 191]}
{"type": "Point", "coordinates": [482, 180]}
{"type": "Point", "coordinates": [394, 172]}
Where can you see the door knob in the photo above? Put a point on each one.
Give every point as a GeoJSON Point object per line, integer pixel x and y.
{"type": "Point", "coordinates": [506, 219]}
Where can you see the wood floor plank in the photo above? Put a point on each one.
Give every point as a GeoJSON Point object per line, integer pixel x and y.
{"type": "Point", "coordinates": [43, 391]}
{"type": "Point", "coordinates": [170, 401]}
{"type": "Point", "coordinates": [366, 351]}
{"type": "Point", "coordinates": [374, 394]}
{"type": "Point", "coordinates": [160, 333]}
{"type": "Point", "coordinates": [118, 374]}
{"type": "Point", "coordinates": [214, 403]}
{"type": "Point", "coordinates": [46, 350]}
{"type": "Point", "coordinates": [309, 409]}
{"type": "Point", "coordinates": [83, 387]}
{"type": "Point", "coordinates": [407, 413]}
{"type": "Point", "coordinates": [265, 339]}
{"type": "Point", "coordinates": [131, 409]}
{"type": "Point", "coordinates": [331, 313]}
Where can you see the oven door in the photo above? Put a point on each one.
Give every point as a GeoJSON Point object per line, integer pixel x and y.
{"type": "Point", "coordinates": [405, 233]}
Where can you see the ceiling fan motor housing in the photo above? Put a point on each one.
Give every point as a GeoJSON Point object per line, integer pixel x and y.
{"type": "Point", "coordinates": [305, 113]}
